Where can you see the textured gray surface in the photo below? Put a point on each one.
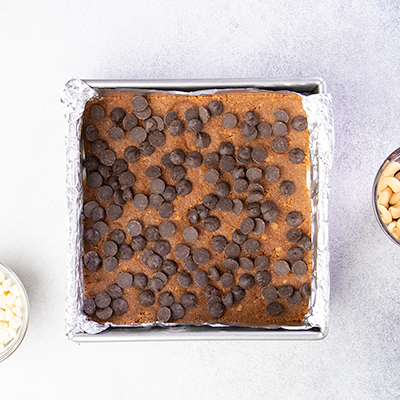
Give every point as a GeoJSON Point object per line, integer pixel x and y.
{"type": "Point", "coordinates": [354, 45]}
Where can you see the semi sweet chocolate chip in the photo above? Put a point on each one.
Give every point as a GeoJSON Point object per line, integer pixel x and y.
{"type": "Point", "coordinates": [146, 113]}
{"type": "Point", "coordinates": [155, 201]}
{"type": "Point", "coordinates": [244, 155]}
{"type": "Point", "coordinates": [114, 212]}
{"type": "Point", "coordinates": [294, 218]}
{"type": "Point", "coordinates": [138, 243]}
{"type": "Point", "coordinates": [104, 171]}
{"type": "Point", "coordinates": [150, 125]}
{"type": "Point", "coordinates": [154, 261]}
{"type": "Point", "coordinates": [177, 311]}
{"type": "Point", "coordinates": [139, 103]}
{"type": "Point", "coordinates": [218, 243]}
{"type": "Point", "coordinates": [269, 293]}
{"type": "Point", "coordinates": [261, 263]}
{"type": "Point", "coordinates": [169, 193]}
{"type": "Point", "coordinates": [239, 172]}
{"type": "Point", "coordinates": [166, 210]}
{"type": "Point", "coordinates": [285, 291]}
{"type": "Point", "coordinates": [164, 314]}
{"type": "Point", "coordinates": [296, 156]}
{"type": "Point", "coordinates": [192, 216]}
{"type": "Point", "coordinates": [190, 265]}
{"type": "Point", "coordinates": [177, 156]}
{"type": "Point", "coordinates": [202, 211]}
{"type": "Point", "coordinates": [98, 214]}
{"type": "Point", "coordinates": [153, 172]}
{"type": "Point", "coordinates": [212, 300]}
{"type": "Point", "coordinates": [238, 293]}
{"type": "Point", "coordinates": [282, 267]}
{"type": "Point", "coordinates": [305, 290]}
{"type": "Point", "coordinates": [184, 280]}
{"type": "Point", "coordinates": [105, 193]}
{"type": "Point", "coordinates": [240, 185]}
{"type": "Point", "coordinates": [304, 243]}
{"type": "Point", "coordinates": [210, 201]}
{"type": "Point", "coordinates": [287, 188]}
{"type": "Point", "coordinates": [293, 235]}
{"type": "Point", "coordinates": [183, 187]}
{"type": "Point", "coordinates": [211, 159]}
{"type": "Point", "coordinates": [295, 298]}
{"type": "Point", "coordinates": [89, 306]}
{"type": "Point", "coordinates": [157, 139]}
{"type": "Point", "coordinates": [225, 205]}
{"type": "Point", "coordinates": [272, 173]}
{"type": "Point", "coordinates": [119, 306]}
{"type": "Point", "coordinates": [229, 121]}
{"type": "Point", "coordinates": [94, 180]}
{"type": "Point", "coordinates": [176, 127]}
{"type": "Point", "coordinates": [279, 129]}
{"type": "Point", "coordinates": [124, 280]}
{"type": "Point", "coordinates": [191, 113]}
{"type": "Point", "coordinates": [299, 268]}
{"type": "Point", "coordinates": [295, 254]}
{"type": "Point", "coordinates": [126, 179]}
{"type": "Point", "coordinates": [92, 260]}
{"type": "Point", "coordinates": [157, 186]}
{"type": "Point", "coordinates": [271, 216]}
{"type": "Point", "coordinates": [119, 166]}
{"type": "Point", "coordinates": [155, 284]}
{"type": "Point", "coordinates": [247, 225]}
{"type": "Point", "coordinates": [104, 313]}
{"type": "Point", "coordinates": [254, 210]}
{"type": "Point", "coordinates": [262, 278]}
{"type": "Point", "coordinates": [98, 146]}
{"type": "Point", "coordinates": [91, 163]}
{"type": "Point", "coordinates": [204, 114]}
{"type": "Point", "coordinates": [201, 256]}
{"type": "Point", "coordinates": [210, 291]}
{"type": "Point", "coordinates": [227, 299]}
{"type": "Point", "coordinates": [201, 278]}
{"type": "Point", "coordinates": [129, 122]}
{"type": "Point", "coordinates": [211, 176]}
{"type": "Point", "coordinates": [246, 263]}
{"type": "Point", "coordinates": [110, 263]}
{"type": "Point", "coordinates": [248, 131]}
{"type": "Point", "coordinates": [125, 252]}
{"type": "Point", "coordinates": [177, 172]}
{"type": "Point", "coordinates": [237, 207]}
{"type": "Point", "coordinates": [216, 108]}
{"type": "Point", "coordinates": [227, 280]}
{"type": "Point", "coordinates": [214, 274]}
{"type": "Point", "coordinates": [97, 112]}
{"type": "Point", "coordinates": [259, 227]}
{"type": "Point", "coordinates": [190, 234]}
{"type": "Point", "coordinates": [138, 134]}
{"type": "Point", "coordinates": [255, 197]}
{"type": "Point", "coordinates": [146, 149]}
{"type": "Point", "coordinates": [299, 123]}
{"type": "Point", "coordinates": [239, 237]}
{"type": "Point", "coordinates": [264, 130]}
{"type": "Point", "coordinates": [202, 140]}
{"type": "Point", "coordinates": [101, 227]}
{"type": "Point", "coordinates": [232, 250]}
{"type": "Point", "coordinates": [116, 133]}
{"type": "Point", "coordinates": [181, 251]}
{"type": "Point", "coordinates": [259, 154]}
{"type": "Point", "coordinates": [227, 163]}
{"type": "Point", "coordinates": [251, 245]}
{"type": "Point", "coordinates": [169, 267]}
{"type": "Point", "coordinates": [211, 224]}
{"type": "Point", "coordinates": [226, 149]}
{"type": "Point", "coordinates": [132, 154]}
{"type": "Point", "coordinates": [189, 300]}
{"type": "Point", "coordinates": [151, 233]}
{"type": "Point", "coordinates": [107, 157]}
{"type": "Point", "coordinates": [110, 248]}
{"type": "Point", "coordinates": [246, 281]}
{"type": "Point", "coordinates": [169, 117]}
{"type": "Point", "coordinates": [279, 145]}
{"type": "Point", "coordinates": [167, 229]}
{"type": "Point", "coordinates": [166, 161]}
{"type": "Point", "coordinates": [230, 264]}
{"type": "Point", "coordinates": [222, 189]}
{"type": "Point", "coordinates": [281, 116]}
{"type": "Point", "coordinates": [194, 159]}
{"type": "Point", "coordinates": [147, 298]}
{"type": "Point", "coordinates": [118, 199]}
{"type": "Point", "coordinates": [274, 309]}
{"type": "Point", "coordinates": [118, 236]}
{"type": "Point", "coordinates": [140, 201]}
{"type": "Point", "coordinates": [91, 133]}
{"type": "Point", "coordinates": [166, 299]}
{"type": "Point", "coordinates": [194, 125]}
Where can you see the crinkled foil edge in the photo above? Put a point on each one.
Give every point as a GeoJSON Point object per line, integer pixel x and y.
{"type": "Point", "coordinates": [318, 108]}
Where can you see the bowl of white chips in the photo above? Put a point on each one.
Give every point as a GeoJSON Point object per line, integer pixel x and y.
{"type": "Point", "coordinates": [14, 312]}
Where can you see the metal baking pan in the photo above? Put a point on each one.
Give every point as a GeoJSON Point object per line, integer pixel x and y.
{"type": "Point", "coordinates": [304, 86]}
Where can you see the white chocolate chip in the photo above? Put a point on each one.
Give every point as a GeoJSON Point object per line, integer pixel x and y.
{"type": "Point", "coordinates": [10, 299]}
{"type": "Point", "coordinates": [12, 332]}
{"type": "Point", "coordinates": [14, 290]}
{"type": "Point", "coordinates": [6, 284]}
{"type": "Point", "coordinates": [4, 336]}
{"type": "Point", "coordinates": [15, 322]}
{"type": "Point", "coordinates": [17, 311]}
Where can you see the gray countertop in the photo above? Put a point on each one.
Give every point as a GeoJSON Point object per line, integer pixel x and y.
{"type": "Point", "coordinates": [353, 45]}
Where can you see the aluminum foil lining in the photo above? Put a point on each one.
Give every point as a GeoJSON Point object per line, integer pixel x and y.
{"type": "Point", "coordinates": [318, 108]}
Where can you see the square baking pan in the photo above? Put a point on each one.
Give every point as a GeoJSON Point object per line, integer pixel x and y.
{"type": "Point", "coordinates": [303, 86]}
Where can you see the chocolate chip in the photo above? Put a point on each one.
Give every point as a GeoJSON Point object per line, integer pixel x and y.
{"type": "Point", "coordinates": [146, 113]}
{"type": "Point", "coordinates": [246, 281]}
{"type": "Point", "coordinates": [114, 212]}
{"type": "Point", "coordinates": [225, 205]}
{"type": "Point", "coordinates": [116, 133]}
{"type": "Point", "coordinates": [129, 122]}
{"type": "Point", "coordinates": [118, 199]}
{"type": "Point", "coordinates": [296, 156]}
{"type": "Point", "coordinates": [154, 261]}
{"type": "Point", "coordinates": [166, 161]}
{"type": "Point", "coordinates": [177, 311]}
{"type": "Point", "coordinates": [127, 179]}
{"type": "Point", "coordinates": [91, 133]}
{"type": "Point", "coordinates": [213, 300]}
{"type": "Point", "coordinates": [155, 201]}
{"type": "Point", "coordinates": [251, 118]}
{"type": "Point", "coordinates": [213, 274]}
{"type": "Point", "coordinates": [239, 172]}
{"type": "Point", "coordinates": [167, 229]}
{"type": "Point", "coordinates": [92, 260]}
{"type": "Point", "coordinates": [183, 187]}
{"type": "Point", "coordinates": [101, 227]}
{"type": "Point", "coordinates": [138, 134]}
{"type": "Point", "coordinates": [259, 227]}
{"type": "Point", "coordinates": [304, 243]}
{"type": "Point", "coordinates": [227, 163]}
{"type": "Point", "coordinates": [98, 146]}
{"type": "Point", "coordinates": [256, 187]}
{"type": "Point", "coordinates": [110, 263]}
{"type": "Point", "coordinates": [124, 280]}
{"type": "Point", "coordinates": [166, 299]}
{"type": "Point", "coordinates": [178, 172]}
{"type": "Point", "coordinates": [119, 306]}
{"type": "Point", "coordinates": [153, 172]}
{"type": "Point", "coordinates": [279, 129]}
{"type": "Point", "coordinates": [110, 248]}
{"type": "Point", "coordinates": [299, 123]}
{"type": "Point", "coordinates": [204, 114]}
{"type": "Point", "coordinates": [232, 250]}
{"type": "Point", "coordinates": [104, 313]}
{"type": "Point", "coordinates": [279, 145]}
{"type": "Point", "coordinates": [294, 218]}
{"type": "Point", "coordinates": [274, 309]}
{"type": "Point", "coordinates": [105, 193]}
{"type": "Point", "coordinates": [202, 211]}
{"type": "Point", "coordinates": [104, 171]}
{"type": "Point", "coordinates": [237, 207]}
{"type": "Point", "coordinates": [229, 121]}
{"type": "Point", "coordinates": [282, 267]}
{"type": "Point", "coordinates": [295, 298]}
{"type": "Point", "coordinates": [132, 154]}
{"type": "Point", "coordinates": [238, 293]}
{"type": "Point", "coordinates": [251, 245]}
{"type": "Point", "coordinates": [269, 293]}
{"type": "Point", "coordinates": [240, 185]}
{"type": "Point", "coordinates": [299, 268]}
{"type": "Point", "coordinates": [139, 103]}
{"type": "Point", "coordinates": [97, 112]}
{"type": "Point", "coordinates": [239, 237]}
{"type": "Point", "coordinates": [254, 210]}
{"type": "Point", "coordinates": [264, 130]}
{"type": "Point", "coordinates": [305, 290]}
{"type": "Point", "coordinates": [94, 180]}
{"type": "Point", "coordinates": [89, 306]}
{"type": "Point", "coordinates": [184, 280]}
{"type": "Point", "coordinates": [117, 236]}
{"type": "Point", "coordinates": [201, 256]}
{"type": "Point", "coordinates": [211, 159]}
{"type": "Point", "coordinates": [246, 263]}
{"type": "Point", "coordinates": [192, 216]}
{"type": "Point", "coordinates": [211, 224]}
{"type": "Point", "coordinates": [210, 291]}
{"type": "Point", "coordinates": [271, 216]}
{"type": "Point", "coordinates": [210, 201]}
{"type": "Point", "coordinates": [244, 155]}
{"type": "Point", "coordinates": [194, 159]}
{"type": "Point", "coordinates": [247, 225]}
{"type": "Point", "coordinates": [215, 107]}
{"type": "Point", "coordinates": [140, 281]}
{"type": "Point", "coordinates": [227, 299]}
{"type": "Point", "coordinates": [146, 149]}
{"type": "Point", "coordinates": [169, 117]}
{"type": "Point", "coordinates": [218, 243]}
{"type": "Point", "coordinates": [261, 263]}
{"type": "Point", "coordinates": [222, 189]}
{"type": "Point", "coordinates": [190, 265]}
{"type": "Point", "coordinates": [169, 193]}
{"type": "Point", "coordinates": [151, 233]}
{"type": "Point", "coordinates": [287, 188]}
{"type": "Point", "coordinates": [230, 264]}
{"type": "Point", "coordinates": [150, 125]}
{"type": "Point", "coordinates": [157, 186]}
{"type": "Point", "coordinates": [248, 132]}
{"type": "Point", "coordinates": [138, 243]}
{"type": "Point", "coordinates": [147, 298]}
{"type": "Point", "coordinates": [272, 173]}
{"type": "Point", "coordinates": [293, 235]}
{"type": "Point", "coordinates": [281, 116]}
{"type": "Point", "coordinates": [254, 174]}
{"type": "Point", "coordinates": [262, 278]}
{"type": "Point", "coordinates": [194, 125]}
{"type": "Point", "coordinates": [177, 156]}
{"type": "Point", "coordinates": [98, 214]}
{"type": "Point", "coordinates": [181, 251]}
{"type": "Point", "coordinates": [189, 300]}
{"type": "Point", "coordinates": [227, 280]}
{"type": "Point", "coordinates": [190, 234]}
{"type": "Point", "coordinates": [157, 139]}
{"type": "Point", "coordinates": [91, 163]}
{"type": "Point", "coordinates": [119, 166]}
{"type": "Point", "coordinates": [295, 254]}
{"type": "Point", "coordinates": [164, 314]}
{"type": "Point", "coordinates": [201, 278]}
{"type": "Point", "coordinates": [155, 284]}
{"type": "Point", "coordinates": [125, 252]}
{"type": "Point", "coordinates": [285, 291]}
{"type": "Point", "coordinates": [191, 113]}
{"type": "Point", "coordinates": [169, 267]}
{"type": "Point", "coordinates": [140, 201]}
{"type": "Point", "coordinates": [211, 176]}
{"type": "Point", "coordinates": [176, 127]}
{"type": "Point", "coordinates": [202, 140]}
{"type": "Point", "coordinates": [166, 210]}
